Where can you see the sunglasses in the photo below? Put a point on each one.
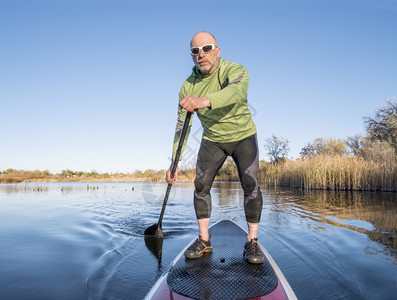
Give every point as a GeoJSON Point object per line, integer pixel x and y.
{"type": "Point", "coordinates": [205, 49]}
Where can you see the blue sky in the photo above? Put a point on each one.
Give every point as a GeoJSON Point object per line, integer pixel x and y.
{"type": "Point", "coordinates": [93, 85]}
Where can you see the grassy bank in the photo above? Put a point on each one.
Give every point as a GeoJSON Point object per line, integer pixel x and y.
{"type": "Point", "coordinates": [332, 172]}
{"type": "Point", "coordinates": [317, 172]}
{"type": "Point", "coordinates": [17, 176]}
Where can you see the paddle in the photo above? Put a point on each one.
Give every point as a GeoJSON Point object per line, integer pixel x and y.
{"type": "Point", "coordinates": [155, 229]}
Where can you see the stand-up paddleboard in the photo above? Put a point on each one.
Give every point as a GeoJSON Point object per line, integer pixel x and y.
{"type": "Point", "coordinates": [223, 273]}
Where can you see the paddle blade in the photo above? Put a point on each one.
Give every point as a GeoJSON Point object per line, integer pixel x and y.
{"type": "Point", "coordinates": [154, 230]}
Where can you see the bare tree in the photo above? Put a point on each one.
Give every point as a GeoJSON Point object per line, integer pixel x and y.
{"type": "Point", "coordinates": [355, 144]}
{"type": "Point", "coordinates": [383, 125]}
{"type": "Point", "coordinates": [277, 148]}
{"type": "Point", "coordinates": [321, 146]}
{"type": "Point", "coordinates": [378, 151]}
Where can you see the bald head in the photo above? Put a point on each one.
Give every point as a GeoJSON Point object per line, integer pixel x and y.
{"type": "Point", "coordinates": [202, 38]}
{"type": "Point", "coordinates": [206, 62]}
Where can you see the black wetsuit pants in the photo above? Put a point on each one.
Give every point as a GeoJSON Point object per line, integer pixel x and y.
{"type": "Point", "coordinates": [210, 159]}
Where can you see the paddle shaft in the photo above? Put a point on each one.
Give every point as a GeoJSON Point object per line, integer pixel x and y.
{"type": "Point", "coordinates": [175, 163]}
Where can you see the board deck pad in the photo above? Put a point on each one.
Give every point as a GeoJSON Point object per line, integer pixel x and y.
{"type": "Point", "coordinates": [223, 273]}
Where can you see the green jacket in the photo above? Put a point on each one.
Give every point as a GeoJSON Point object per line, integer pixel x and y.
{"type": "Point", "coordinates": [228, 119]}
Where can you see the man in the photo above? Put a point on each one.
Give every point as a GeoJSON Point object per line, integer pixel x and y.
{"type": "Point", "coordinates": [217, 91]}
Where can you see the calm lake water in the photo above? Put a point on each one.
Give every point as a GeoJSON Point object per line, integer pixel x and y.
{"type": "Point", "coordinates": [84, 241]}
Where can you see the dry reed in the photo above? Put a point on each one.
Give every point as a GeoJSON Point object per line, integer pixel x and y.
{"type": "Point", "coordinates": [332, 172]}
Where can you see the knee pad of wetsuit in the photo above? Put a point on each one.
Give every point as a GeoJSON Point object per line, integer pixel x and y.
{"type": "Point", "coordinates": [202, 206]}
{"type": "Point", "coordinates": [202, 188]}
{"type": "Point", "coordinates": [253, 207]}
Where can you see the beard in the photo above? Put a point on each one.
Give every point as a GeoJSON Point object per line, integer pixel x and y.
{"type": "Point", "coordinates": [205, 68]}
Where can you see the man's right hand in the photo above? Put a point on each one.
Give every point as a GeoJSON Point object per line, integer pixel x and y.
{"type": "Point", "coordinates": [168, 176]}
{"type": "Point", "coordinates": [192, 103]}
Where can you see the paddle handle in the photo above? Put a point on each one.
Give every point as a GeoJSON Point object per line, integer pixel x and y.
{"type": "Point", "coordinates": [180, 144]}
{"type": "Point", "coordinates": [175, 162]}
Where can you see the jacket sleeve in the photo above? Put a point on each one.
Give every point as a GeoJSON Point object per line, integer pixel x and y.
{"type": "Point", "coordinates": [235, 88]}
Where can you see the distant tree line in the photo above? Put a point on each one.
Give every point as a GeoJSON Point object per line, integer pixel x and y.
{"type": "Point", "coordinates": [13, 175]}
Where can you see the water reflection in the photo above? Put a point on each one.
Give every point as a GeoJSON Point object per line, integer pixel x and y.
{"type": "Point", "coordinates": [373, 214]}
{"type": "Point", "coordinates": [228, 193]}
{"type": "Point", "coordinates": [154, 245]}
